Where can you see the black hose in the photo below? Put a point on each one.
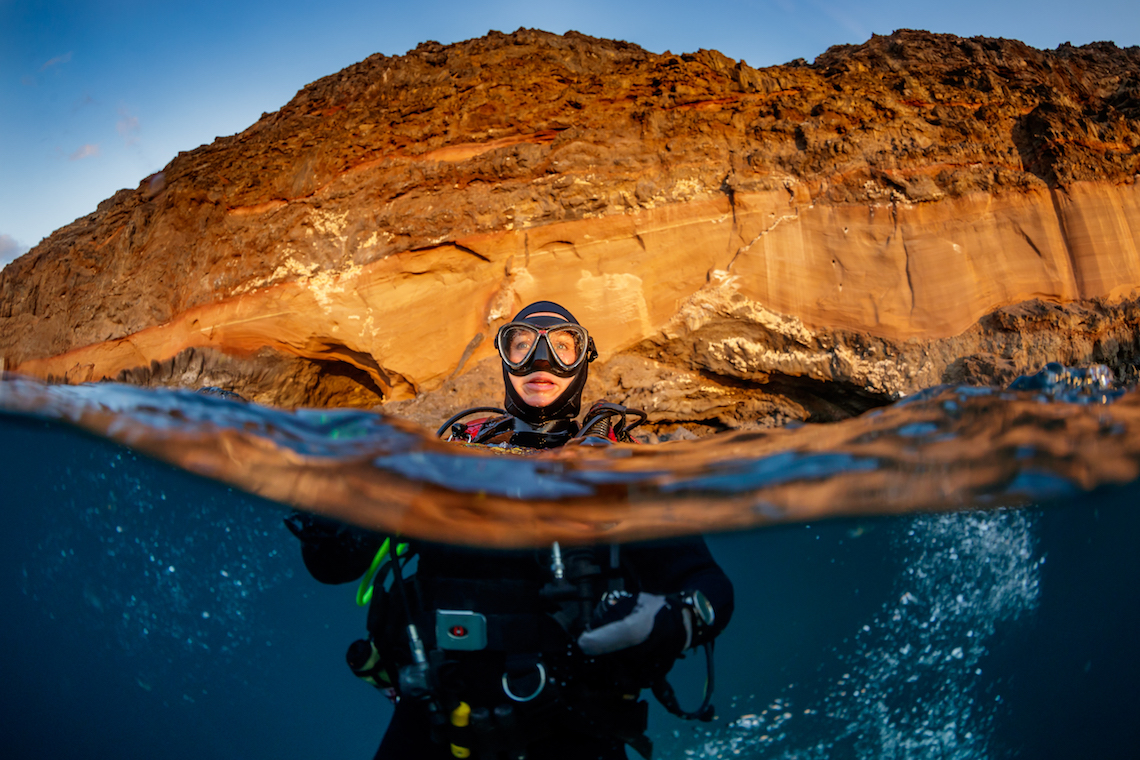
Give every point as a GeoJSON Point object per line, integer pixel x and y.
{"type": "Point", "coordinates": [668, 698]}
{"type": "Point", "coordinates": [642, 417]}
{"type": "Point", "coordinates": [604, 411]}
{"type": "Point", "coordinates": [447, 425]}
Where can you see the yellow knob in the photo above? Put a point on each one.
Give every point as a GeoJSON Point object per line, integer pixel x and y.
{"type": "Point", "coordinates": [460, 717]}
{"type": "Point", "coordinates": [460, 751]}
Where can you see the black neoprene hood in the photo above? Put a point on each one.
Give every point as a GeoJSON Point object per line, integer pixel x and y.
{"type": "Point", "coordinates": [539, 307]}
{"type": "Point", "coordinates": [569, 403]}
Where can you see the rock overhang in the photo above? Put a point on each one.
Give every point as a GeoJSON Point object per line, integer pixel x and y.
{"type": "Point", "coordinates": [807, 221]}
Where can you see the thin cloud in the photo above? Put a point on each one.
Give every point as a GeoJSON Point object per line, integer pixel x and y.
{"type": "Point", "coordinates": [57, 61]}
{"type": "Point", "coordinates": [10, 250]}
{"type": "Point", "coordinates": [83, 102]}
{"type": "Point", "coordinates": [87, 151]}
{"type": "Point", "coordinates": [839, 16]}
{"type": "Point", "coordinates": [128, 127]}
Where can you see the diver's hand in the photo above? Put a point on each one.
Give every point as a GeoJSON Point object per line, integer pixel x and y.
{"type": "Point", "coordinates": [646, 625]}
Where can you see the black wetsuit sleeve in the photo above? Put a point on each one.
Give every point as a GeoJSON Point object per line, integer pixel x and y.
{"type": "Point", "coordinates": [683, 565]}
{"type": "Point", "coordinates": [333, 552]}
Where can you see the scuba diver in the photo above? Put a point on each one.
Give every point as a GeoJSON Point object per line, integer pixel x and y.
{"type": "Point", "coordinates": [539, 654]}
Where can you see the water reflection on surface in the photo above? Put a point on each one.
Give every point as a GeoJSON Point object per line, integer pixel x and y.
{"type": "Point", "coordinates": [947, 448]}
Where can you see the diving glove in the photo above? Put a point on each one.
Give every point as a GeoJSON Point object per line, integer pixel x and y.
{"type": "Point", "coordinates": [648, 626]}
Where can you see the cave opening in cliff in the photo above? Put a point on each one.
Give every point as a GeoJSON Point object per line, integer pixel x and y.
{"type": "Point", "coordinates": [334, 383]}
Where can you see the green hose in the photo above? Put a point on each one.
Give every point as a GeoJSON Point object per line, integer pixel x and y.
{"type": "Point", "coordinates": [364, 593]}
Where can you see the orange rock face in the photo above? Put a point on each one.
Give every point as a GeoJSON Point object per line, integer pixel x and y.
{"type": "Point", "coordinates": [747, 246]}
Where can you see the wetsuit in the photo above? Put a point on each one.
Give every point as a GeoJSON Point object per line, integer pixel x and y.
{"type": "Point", "coordinates": [507, 587]}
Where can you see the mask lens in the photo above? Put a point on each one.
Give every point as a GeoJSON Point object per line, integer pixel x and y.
{"type": "Point", "coordinates": [517, 342]}
{"type": "Point", "coordinates": [567, 345]}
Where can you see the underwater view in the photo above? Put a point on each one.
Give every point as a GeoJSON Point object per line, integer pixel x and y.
{"type": "Point", "coordinates": [952, 576]}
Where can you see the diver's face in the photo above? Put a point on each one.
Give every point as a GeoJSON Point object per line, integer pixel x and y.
{"type": "Point", "coordinates": [539, 389]}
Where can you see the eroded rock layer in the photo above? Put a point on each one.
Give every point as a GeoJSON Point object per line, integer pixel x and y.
{"type": "Point", "coordinates": [748, 246]}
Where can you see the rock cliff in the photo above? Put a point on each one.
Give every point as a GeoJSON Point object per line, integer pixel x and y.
{"type": "Point", "coordinates": [749, 246]}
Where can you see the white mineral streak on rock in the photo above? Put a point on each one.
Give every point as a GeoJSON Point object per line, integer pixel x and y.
{"type": "Point", "coordinates": [289, 269]}
{"type": "Point", "coordinates": [329, 223]}
{"type": "Point", "coordinates": [326, 287]}
{"type": "Point", "coordinates": [376, 238]}
{"type": "Point", "coordinates": [506, 299]}
{"type": "Point", "coordinates": [619, 295]}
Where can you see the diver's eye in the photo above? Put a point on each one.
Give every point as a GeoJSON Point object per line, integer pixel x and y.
{"type": "Point", "coordinates": [519, 349]}
{"type": "Point", "coordinates": [565, 345]}
{"type": "Point", "coordinates": [519, 343]}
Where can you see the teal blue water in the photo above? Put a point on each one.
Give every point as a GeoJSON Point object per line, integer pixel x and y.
{"type": "Point", "coordinates": [152, 613]}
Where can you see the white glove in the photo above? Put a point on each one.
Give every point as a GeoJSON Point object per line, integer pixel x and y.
{"type": "Point", "coordinates": [622, 621]}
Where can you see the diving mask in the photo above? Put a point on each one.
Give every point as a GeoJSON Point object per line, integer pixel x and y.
{"type": "Point", "coordinates": [557, 347]}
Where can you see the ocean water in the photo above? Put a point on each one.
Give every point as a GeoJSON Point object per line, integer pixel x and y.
{"type": "Point", "coordinates": [951, 577]}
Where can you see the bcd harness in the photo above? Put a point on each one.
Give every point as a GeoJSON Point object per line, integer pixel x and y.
{"type": "Point", "coordinates": [604, 422]}
{"type": "Point", "coordinates": [531, 680]}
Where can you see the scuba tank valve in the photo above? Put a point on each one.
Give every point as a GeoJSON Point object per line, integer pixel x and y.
{"type": "Point", "coordinates": [573, 587]}
{"type": "Point", "coordinates": [556, 565]}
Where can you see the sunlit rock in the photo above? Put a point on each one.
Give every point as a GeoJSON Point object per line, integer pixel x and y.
{"type": "Point", "coordinates": [748, 246]}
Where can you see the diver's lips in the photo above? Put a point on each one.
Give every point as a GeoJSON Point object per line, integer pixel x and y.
{"type": "Point", "coordinates": [540, 384]}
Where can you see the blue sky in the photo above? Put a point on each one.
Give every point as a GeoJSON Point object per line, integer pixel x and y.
{"type": "Point", "coordinates": [98, 95]}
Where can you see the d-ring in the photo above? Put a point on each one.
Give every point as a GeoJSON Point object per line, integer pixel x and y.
{"type": "Point", "coordinates": [541, 685]}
